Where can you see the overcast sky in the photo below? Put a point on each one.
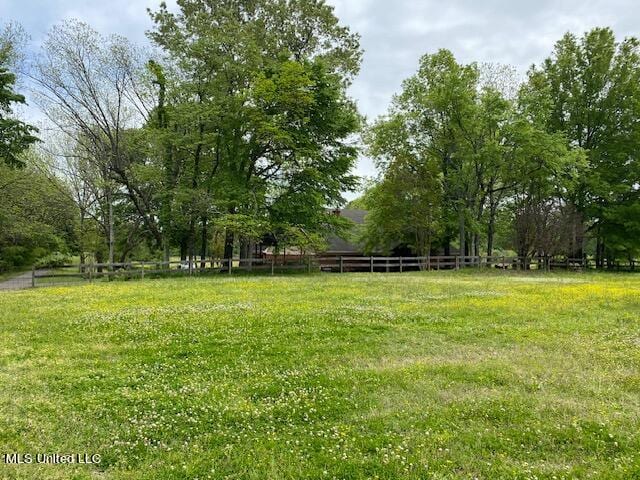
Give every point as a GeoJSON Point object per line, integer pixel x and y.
{"type": "Point", "coordinates": [395, 33]}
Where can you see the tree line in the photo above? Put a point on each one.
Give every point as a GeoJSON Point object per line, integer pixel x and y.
{"type": "Point", "coordinates": [35, 219]}
{"type": "Point", "coordinates": [546, 167]}
{"type": "Point", "coordinates": [234, 127]}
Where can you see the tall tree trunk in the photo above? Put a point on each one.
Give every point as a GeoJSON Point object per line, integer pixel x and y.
{"type": "Point", "coordinates": [170, 165]}
{"type": "Point", "coordinates": [251, 251]}
{"type": "Point", "coordinates": [183, 249]}
{"type": "Point", "coordinates": [83, 255]}
{"type": "Point", "coordinates": [99, 260]}
{"type": "Point", "coordinates": [479, 215]}
{"type": "Point", "coordinates": [110, 228]}
{"type": "Point", "coordinates": [192, 241]}
{"type": "Point", "coordinates": [462, 233]}
{"type": "Point", "coordinates": [599, 250]}
{"type": "Point", "coordinates": [491, 230]}
{"type": "Point", "coordinates": [447, 247]}
{"type": "Point", "coordinates": [204, 243]}
{"type": "Point", "coordinates": [228, 245]}
{"type": "Point", "coordinates": [166, 250]}
{"type": "Point", "coordinates": [245, 248]}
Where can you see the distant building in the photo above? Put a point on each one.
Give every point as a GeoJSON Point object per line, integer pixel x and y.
{"type": "Point", "coordinates": [346, 245]}
{"type": "Point", "coordinates": [285, 254]}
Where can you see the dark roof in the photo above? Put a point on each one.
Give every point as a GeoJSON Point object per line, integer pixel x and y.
{"type": "Point", "coordinates": [341, 245]}
{"type": "Point", "coordinates": [357, 216]}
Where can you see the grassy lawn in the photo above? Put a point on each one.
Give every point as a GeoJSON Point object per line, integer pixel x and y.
{"type": "Point", "coordinates": [421, 375]}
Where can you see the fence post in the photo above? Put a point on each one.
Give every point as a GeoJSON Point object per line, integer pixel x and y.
{"type": "Point", "coordinates": [341, 265]}
{"type": "Point", "coordinates": [400, 264]}
{"type": "Point", "coordinates": [437, 264]}
{"type": "Point", "coordinates": [142, 271]}
{"type": "Point", "coordinates": [429, 263]}
{"type": "Point", "coordinates": [272, 263]}
{"type": "Point", "coordinates": [371, 262]}
{"type": "Point", "coordinates": [308, 263]}
{"type": "Point", "coordinates": [457, 262]}
{"type": "Point", "coordinates": [251, 262]}
{"type": "Point", "coordinates": [33, 276]}
{"type": "Point", "coordinates": [230, 264]}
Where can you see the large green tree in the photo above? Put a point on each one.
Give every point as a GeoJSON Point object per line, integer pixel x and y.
{"type": "Point", "coordinates": [90, 88]}
{"type": "Point", "coordinates": [445, 132]}
{"type": "Point", "coordinates": [405, 206]}
{"type": "Point", "coordinates": [454, 151]}
{"type": "Point", "coordinates": [589, 89]}
{"type": "Point", "coordinates": [37, 215]}
{"type": "Point", "coordinates": [254, 119]}
{"type": "Point", "coordinates": [15, 136]}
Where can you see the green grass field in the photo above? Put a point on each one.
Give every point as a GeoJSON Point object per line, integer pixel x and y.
{"type": "Point", "coordinates": [421, 375]}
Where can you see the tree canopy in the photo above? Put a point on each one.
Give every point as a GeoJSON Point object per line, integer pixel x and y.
{"type": "Point", "coordinates": [15, 136]}
{"type": "Point", "coordinates": [236, 129]}
{"type": "Point", "coordinates": [253, 118]}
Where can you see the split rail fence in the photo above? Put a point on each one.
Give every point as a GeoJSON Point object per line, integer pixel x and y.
{"type": "Point", "coordinates": [72, 274]}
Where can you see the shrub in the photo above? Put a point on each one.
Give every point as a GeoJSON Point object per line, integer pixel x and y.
{"type": "Point", "coordinates": [54, 260]}
{"type": "Point", "coordinates": [14, 256]}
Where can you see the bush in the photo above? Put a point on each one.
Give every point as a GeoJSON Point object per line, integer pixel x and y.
{"type": "Point", "coordinates": [54, 260]}
{"type": "Point", "coordinates": [14, 256]}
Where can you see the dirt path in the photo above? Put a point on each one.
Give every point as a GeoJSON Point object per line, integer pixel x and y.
{"type": "Point", "coordinates": [18, 282]}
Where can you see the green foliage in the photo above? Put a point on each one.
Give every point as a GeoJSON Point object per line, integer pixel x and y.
{"type": "Point", "coordinates": [243, 130]}
{"type": "Point", "coordinates": [15, 135]}
{"type": "Point", "coordinates": [54, 260]}
{"type": "Point", "coordinates": [589, 90]}
{"type": "Point", "coordinates": [253, 119]}
{"type": "Point", "coordinates": [443, 157]}
{"type": "Point", "coordinates": [37, 215]}
{"type": "Point", "coordinates": [243, 225]}
{"type": "Point", "coordinates": [544, 173]}
{"type": "Point", "coordinates": [406, 206]}
{"type": "Point", "coordinates": [454, 152]}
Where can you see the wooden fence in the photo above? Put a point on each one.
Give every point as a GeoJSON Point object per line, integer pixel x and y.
{"type": "Point", "coordinates": [95, 272]}
{"type": "Point", "coordinates": [72, 274]}
{"type": "Point", "coordinates": [451, 262]}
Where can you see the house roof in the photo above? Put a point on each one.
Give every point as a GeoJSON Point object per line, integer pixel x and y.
{"type": "Point", "coordinates": [343, 245]}
{"type": "Point", "coordinates": [357, 216]}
